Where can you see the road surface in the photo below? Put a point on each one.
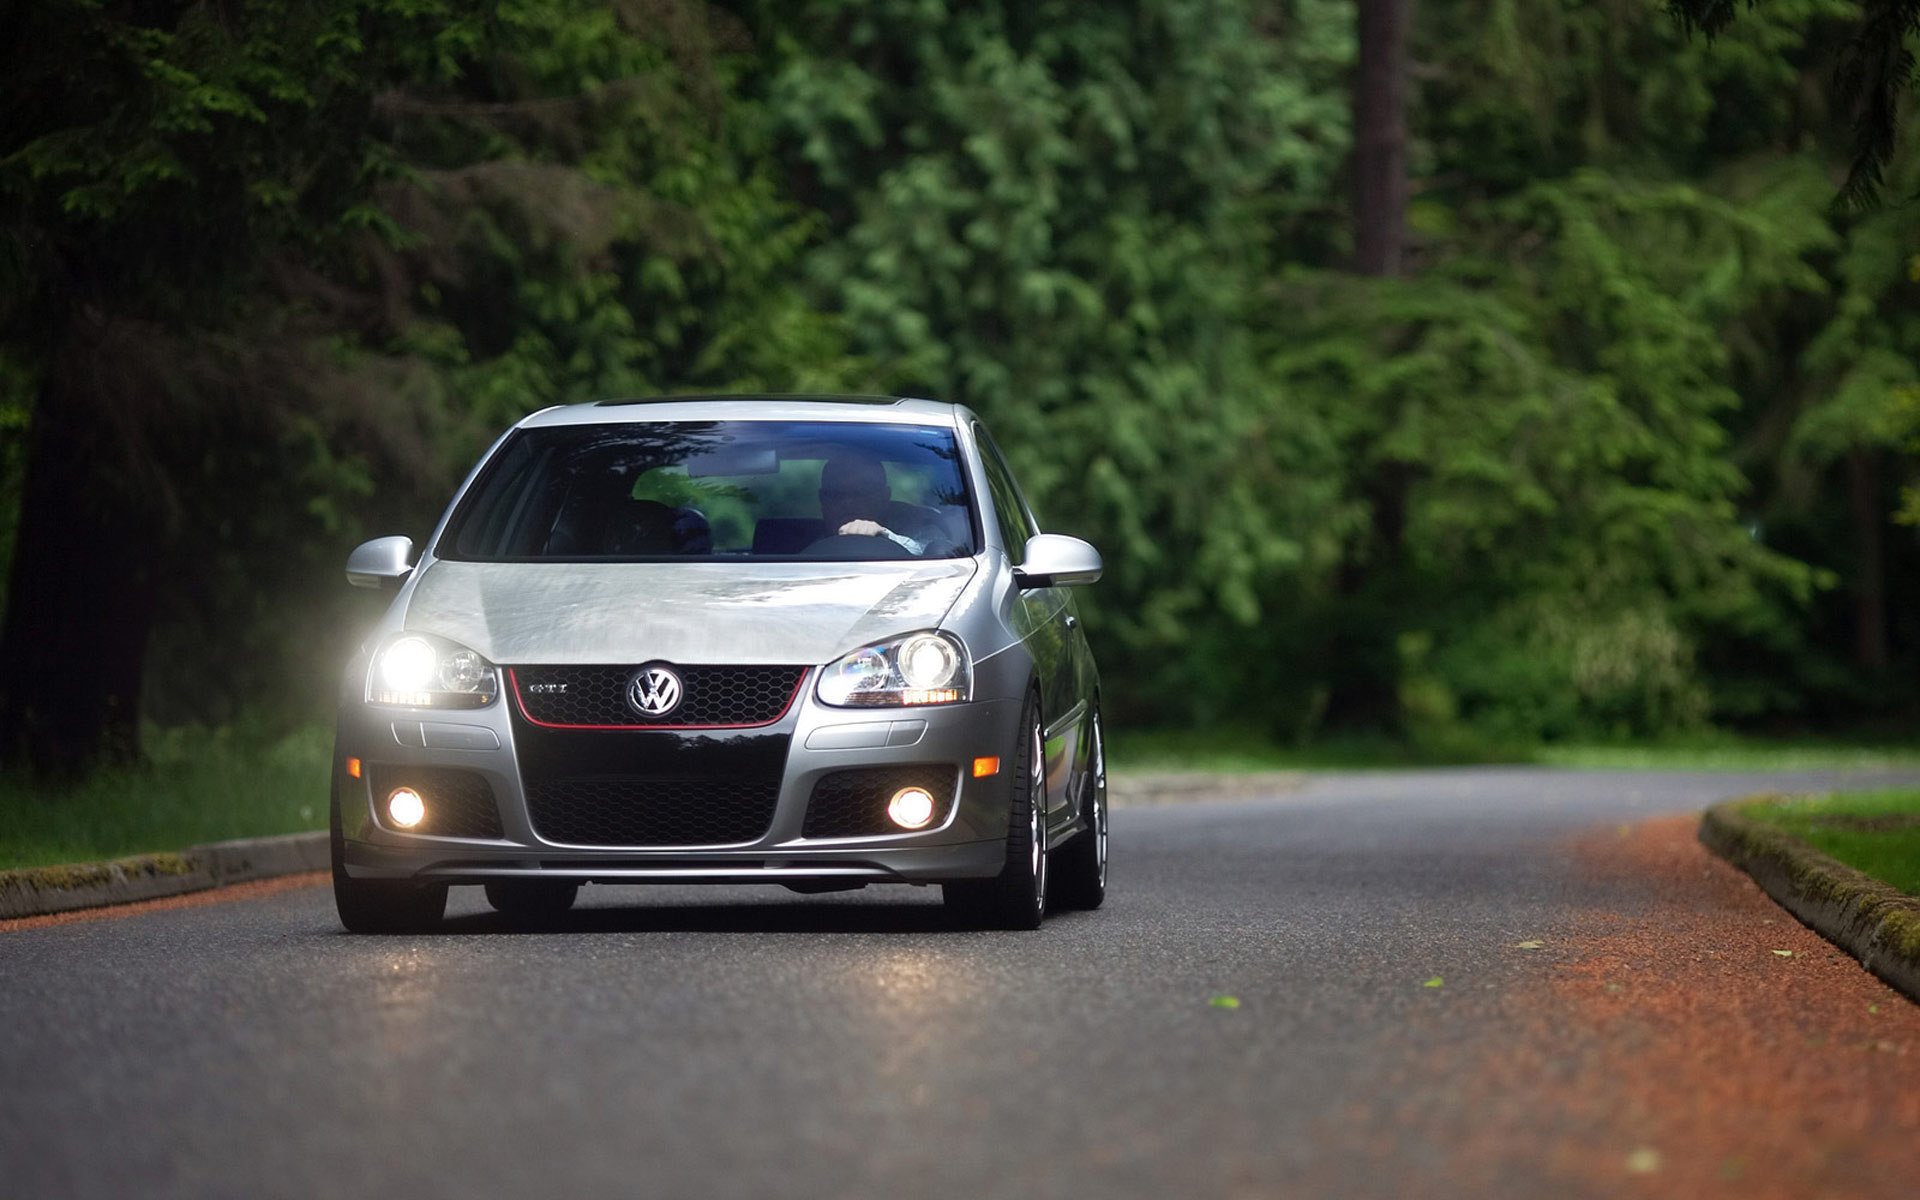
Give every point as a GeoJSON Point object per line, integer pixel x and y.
{"type": "Point", "coordinates": [1460, 982]}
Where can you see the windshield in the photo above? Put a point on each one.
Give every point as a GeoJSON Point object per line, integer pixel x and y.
{"type": "Point", "coordinates": [814, 491]}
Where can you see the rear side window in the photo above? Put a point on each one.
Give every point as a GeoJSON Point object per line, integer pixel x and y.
{"type": "Point", "coordinates": [1009, 506]}
{"type": "Point", "coordinates": [753, 490]}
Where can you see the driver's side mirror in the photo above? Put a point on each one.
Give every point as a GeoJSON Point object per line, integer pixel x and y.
{"type": "Point", "coordinates": [380, 563]}
{"type": "Point", "coordinates": [1055, 560]}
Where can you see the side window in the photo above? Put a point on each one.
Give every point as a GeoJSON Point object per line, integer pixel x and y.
{"type": "Point", "coordinates": [1010, 509]}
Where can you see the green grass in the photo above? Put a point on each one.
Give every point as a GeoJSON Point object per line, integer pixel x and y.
{"type": "Point", "coordinates": [1875, 832]}
{"type": "Point", "coordinates": [1157, 750]}
{"type": "Point", "coordinates": [200, 786]}
{"type": "Point", "coordinates": [1731, 752]}
{"type": "Point", "coordinates": [1240, 750]}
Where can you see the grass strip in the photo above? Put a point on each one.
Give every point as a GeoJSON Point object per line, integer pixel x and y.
{"type": "Point", "coordinates": [1231, 749]}
{"type": "Point", "coordinates": [198, 786]}
{"type": "Point", "coordinates": [1875, 832]}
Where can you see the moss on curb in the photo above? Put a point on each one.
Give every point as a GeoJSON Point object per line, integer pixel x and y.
{"type": "Point", "coordinates": [1874, 922]}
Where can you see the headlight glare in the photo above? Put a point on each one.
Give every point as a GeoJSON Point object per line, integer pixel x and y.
{"type": "Point", "coordinates": [921, 668]}
{"type": "Point", "coordinates": [408, 665]}
{"type": "Point", "coordinates": [417, 670]}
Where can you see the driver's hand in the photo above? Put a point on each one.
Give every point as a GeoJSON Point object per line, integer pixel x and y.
{"type": "Point", "coordinates": [864, 529]}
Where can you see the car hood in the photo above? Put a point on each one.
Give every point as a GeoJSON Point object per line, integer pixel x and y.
{"type": "Point", "coordinates": [787, 613]}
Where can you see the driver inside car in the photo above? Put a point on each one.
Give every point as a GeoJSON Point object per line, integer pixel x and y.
{"type": "Point", "coordinates": [855, 500]}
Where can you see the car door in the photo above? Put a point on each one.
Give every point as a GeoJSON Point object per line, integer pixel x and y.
{"type": "Point", "coordinates": [1044, 620]}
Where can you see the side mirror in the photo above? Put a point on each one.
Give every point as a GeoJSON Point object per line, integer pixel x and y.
{"type": "Point", "coordinates": [380, 563]}
{"type": "Point", "coordinates": [1054, 559]}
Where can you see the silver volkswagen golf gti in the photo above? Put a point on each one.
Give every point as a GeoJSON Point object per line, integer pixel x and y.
{"type": "Point", "coordinates": [813, 642]}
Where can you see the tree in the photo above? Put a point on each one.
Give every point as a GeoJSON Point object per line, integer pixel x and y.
{"type": "Point", "coordinates": [275, 265]}
{"type": "Point", "coordinates": [1363, 649]}
{"type": "Point", "coordinates": [1870, 80]}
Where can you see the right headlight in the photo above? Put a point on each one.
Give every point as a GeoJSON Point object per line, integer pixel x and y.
{"type": "Point", "coordinates": [920, 668]}
{"type": "Point", "coordinates": [420, 670]}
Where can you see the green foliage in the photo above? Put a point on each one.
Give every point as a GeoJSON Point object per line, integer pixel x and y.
{"type": "Point", "coordinates": [199, 785]}
{"type": "Point", "coordinates": [1053, 213]}
{"type": "Point", "coordinates": [326, 250]}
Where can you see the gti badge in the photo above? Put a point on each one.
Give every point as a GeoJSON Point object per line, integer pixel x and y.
{"type": "Point", "coordinates": [654, 691]}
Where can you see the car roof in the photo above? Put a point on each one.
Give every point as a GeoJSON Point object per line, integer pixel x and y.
{"type": "Point", "coordinates": [884, 410]}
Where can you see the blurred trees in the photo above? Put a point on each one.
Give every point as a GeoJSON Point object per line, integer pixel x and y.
{"type": "Point", "coordinates": [1613, 448]}
{"type": "Point", "coordinates": [272, 265]}
{"type": "Point", "coordinates": [1871, 79]}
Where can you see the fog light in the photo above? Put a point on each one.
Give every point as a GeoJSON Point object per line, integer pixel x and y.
{"type": "Point", "coordinates": [406, 808]}
{"type": "Point", "coordinates": [911, 807]}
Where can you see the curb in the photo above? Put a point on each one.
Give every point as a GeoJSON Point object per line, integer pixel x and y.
{"type": "Point", "coordinates": [37, 891]}
{"type": "Point", "coordinates": [1875, 923]}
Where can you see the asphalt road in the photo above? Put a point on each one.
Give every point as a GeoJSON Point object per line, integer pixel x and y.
{"type": "Point", "coordinates": [745, 1042]}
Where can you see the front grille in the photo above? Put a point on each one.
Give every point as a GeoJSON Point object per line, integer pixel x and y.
{"type": "Point", "coordinates": [854, 803]}
{"type": "Point", "coordinates": [459, 803]}
{"type": "Point", "coordinates": [659, 812]}
{"type": "Point", "coordinates": [596, 697]}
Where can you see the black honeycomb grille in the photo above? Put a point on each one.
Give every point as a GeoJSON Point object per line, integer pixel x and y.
{"type": "Point", "coordinates": [591, 696]}
{"type": "Point", "coordinates": [854, 803]}
{"type": "Point", "coordinates": [459, 803]}
{"type": "Point", "coordinates": [641, 812]}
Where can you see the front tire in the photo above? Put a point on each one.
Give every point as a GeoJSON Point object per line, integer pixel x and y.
{"type": "Point", "coordinates": [1017, 897]}
{"type": "Point", "coordinates": [1080, 876]}
{"type": "Point", "coordinates": [378, 905]}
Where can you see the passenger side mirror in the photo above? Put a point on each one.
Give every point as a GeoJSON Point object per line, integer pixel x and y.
{"type": "Point", "coordinates": [380, 563]}
{"type": "Point", "coordinates": [1054, 559]}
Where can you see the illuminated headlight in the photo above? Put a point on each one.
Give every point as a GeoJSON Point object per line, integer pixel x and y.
{"type": "Point", "coordinates": [921, 668]}
{"type": "Point", "coordinates": [418, 670]}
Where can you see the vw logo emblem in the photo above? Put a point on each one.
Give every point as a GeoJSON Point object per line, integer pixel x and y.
{"type": "Point", "coordinates": [654, 691]}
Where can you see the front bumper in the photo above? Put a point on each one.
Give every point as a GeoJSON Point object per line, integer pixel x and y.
{"type": "Point", "coordinates": [969, 843]}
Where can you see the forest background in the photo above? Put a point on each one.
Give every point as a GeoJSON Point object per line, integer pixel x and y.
{"type": "Point", "coordinates": [1614, 441]}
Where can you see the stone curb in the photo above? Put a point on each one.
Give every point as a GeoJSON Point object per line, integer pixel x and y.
{"type": "Point", "coordinates": [1875, 923]}
{"type": "Point", "coordinates": [36, 891]}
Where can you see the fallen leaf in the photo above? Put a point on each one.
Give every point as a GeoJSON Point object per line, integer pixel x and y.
{"type": "Point", "coordinates": [1436, 981]}
{"type": "Point", "coordinates": [1528, 945]}
{"type": "Point", "coordinates": [1225, 1002]}
{"type": "Point", "coordinates": [1643, 1161]}
{"type": "Point", "coordinates": [1784, 953]}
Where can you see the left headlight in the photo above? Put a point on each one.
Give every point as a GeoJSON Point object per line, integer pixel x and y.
{"type": "Point", "coordinates": [419, 670]}
{"type": "Point", "coordinates": [920, 668]}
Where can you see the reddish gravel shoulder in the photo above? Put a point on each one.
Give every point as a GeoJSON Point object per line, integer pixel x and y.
{"type": "Point", "coordinates": [1706, 1044]}
{"type": "Point", "coordinates": [219, 895]}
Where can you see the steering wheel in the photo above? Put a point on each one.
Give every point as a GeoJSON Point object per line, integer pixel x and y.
{"type": "Point", "coordinates": [855, 547]}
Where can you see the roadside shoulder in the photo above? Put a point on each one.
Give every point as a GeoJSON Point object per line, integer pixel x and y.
{"type": "Point", "coordinates": [38, 891]}
{"type": "Point", "coordinates": [1130, 789]}
{"type": "Point", "coordinates": [1874, 922]}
